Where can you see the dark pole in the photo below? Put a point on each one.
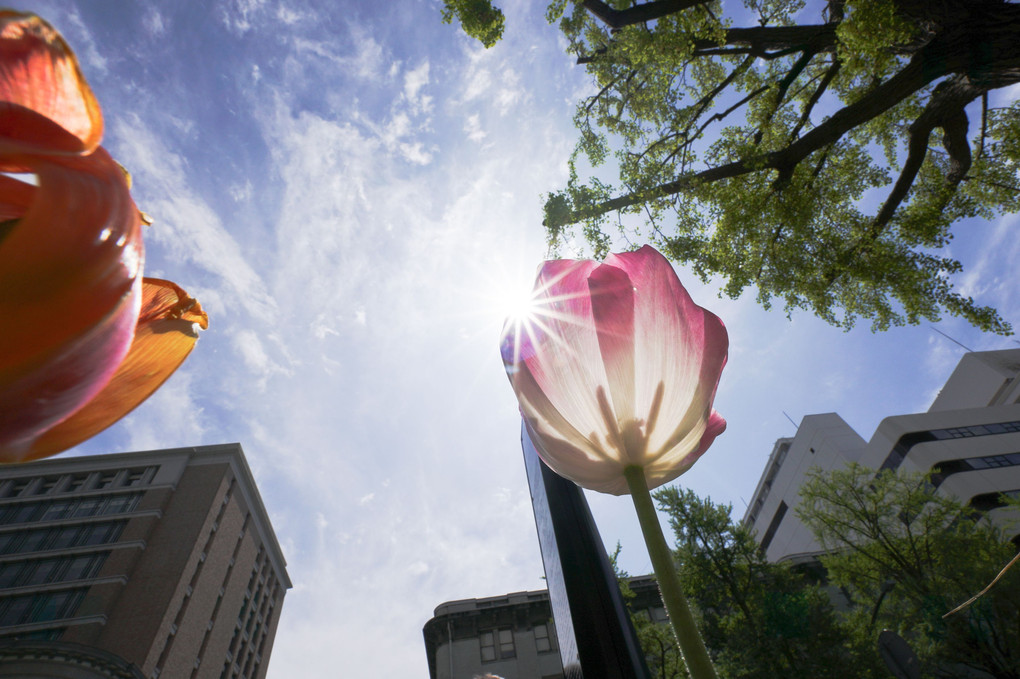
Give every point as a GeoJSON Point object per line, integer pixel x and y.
{"type": "Point", "coordinates": [596, 637]}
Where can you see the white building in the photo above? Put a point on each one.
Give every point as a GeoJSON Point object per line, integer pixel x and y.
{"type": "Point", "coordinates": [969, 439]}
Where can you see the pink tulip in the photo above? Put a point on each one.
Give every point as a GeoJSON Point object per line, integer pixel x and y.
{"type": "Point", "coordinates": [616, 367]}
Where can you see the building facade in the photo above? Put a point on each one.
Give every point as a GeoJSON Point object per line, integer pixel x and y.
{"type": "Point", "coordinates": [510, 636]}
{"type": "Point", "coordinates": [969, 440]}
{"type": "Point", "coordinates": [162, 561]}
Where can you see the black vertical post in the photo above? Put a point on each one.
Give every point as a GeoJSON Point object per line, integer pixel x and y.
{"type": "Point", "coordinates": [596, 637]}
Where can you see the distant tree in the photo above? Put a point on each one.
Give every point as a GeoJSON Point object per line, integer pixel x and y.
{"type": "Point", "coordinates": [906, 555]}
{"type": "Point", "coordinates": [657, 639]}
{"type": "Point", "coordinates": [759, 619]}
{"type": "Point", "coordinates": [821, 162]}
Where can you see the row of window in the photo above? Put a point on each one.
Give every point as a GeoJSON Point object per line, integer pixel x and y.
{"type": "Point", "coordinates": [976, 430]}
{"type": "Point", "coordinates": [498, 644]}
{"type": "Point", "coordinates": [74, 483]}
{"type": "Point", "coordinates": [60, 537]}
{"type": "Point", "coordinates": [911, 439]}
{"type": "Point", "coordinates": [42, 607]}
{"type": "Point", "coordinates": [71, 508]}
{"type": "Point", "coordinates": [52, 570]}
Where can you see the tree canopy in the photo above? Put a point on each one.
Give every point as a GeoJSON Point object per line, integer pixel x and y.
{"type": "Point", "coordinates": [905, 555]}
{"type": "Point", "coordinates": [821, 160]}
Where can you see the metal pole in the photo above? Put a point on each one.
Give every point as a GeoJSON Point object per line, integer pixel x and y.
{"type": "Point", "coordinates": [596, 637]}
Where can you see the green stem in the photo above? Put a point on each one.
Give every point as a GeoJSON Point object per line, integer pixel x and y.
{"type": "Point", "coordinates": [699, 665]}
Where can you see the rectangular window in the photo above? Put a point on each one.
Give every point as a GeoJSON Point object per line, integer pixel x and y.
{"type": "Point", "coordinates": [65, 537]}
{"type": "Point", "coordinates": [56, 510]}
{"type": "Point", "coordinates": [9, 573]}
{"type": "Point", "coordinates": [542, 641]}
{"type": "Point", "coordinates": [488, 644]}
{"type": "Point", "coordinates": [87, 506]}
{"type": "Point", "coordinates": [506, 644]}
{"type": "Point", "coordinates": [7, 541]}
{"type": "Point", "coordinates": [41, 572]}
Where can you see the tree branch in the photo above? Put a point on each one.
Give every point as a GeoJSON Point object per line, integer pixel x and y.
{"type": "Point", "coordinates": [649, 11]}
{"type": "Point", "coordinates": [915, 75]}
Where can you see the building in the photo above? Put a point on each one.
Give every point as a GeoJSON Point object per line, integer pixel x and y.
{"type": "Point", "coordinates": [150, 564]}
{"type": "Point", "coordinates": [510, 636]}
{"type": "Point", "coordinates": [969, 439]}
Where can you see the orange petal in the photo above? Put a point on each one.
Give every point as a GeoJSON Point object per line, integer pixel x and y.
{"type": "Point", "coordinates": [165, 336]}
{"type": "Point", "coordinates": [67, 262]}
{"type": "Point", "coordinates": [45, 104]}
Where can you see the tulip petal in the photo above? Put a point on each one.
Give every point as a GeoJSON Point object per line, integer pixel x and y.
{"type": "Point", "coordinates": [69, 261]}
{"type": "Point", "coordinates": [696, 343]}
{"type": "Point", "coordinates": [612, 306]}
{"type": "Point", "coordinates": [557, 345]}
{"type": "Point", "coordinates": [45, 104]}
{"type": "Point", "coordinates": [164, 337]}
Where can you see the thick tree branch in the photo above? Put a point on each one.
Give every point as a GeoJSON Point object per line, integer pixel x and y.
{"type": "Point", "coordinates": [915, 75]}
{"type": "Point", "coordinates": [945, 109]}
{"type": "Point", "coordinates": [649, 11]}
{"type": "Point", "coordinates": [758, 40]}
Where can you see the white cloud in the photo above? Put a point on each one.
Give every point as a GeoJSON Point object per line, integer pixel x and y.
{"type": "Point", "coordinates": [93, 61]}
{"type": "Point", "coordinates": [473, 128]}
{"type": "Point", "coordinates": [185, 225]}
{"type": "Point", "coordinates": [415, 153]}
{"type": "Point", "coordinates": [239, 16]}
{"type": "Point", "coordinates": [414, 81]}
{"type": "Point", "coordinates": [365, 61]}
{"type": "Point", "coordinates": [253, 353]}
{"type": "Point", "coordinates": [170, 417]}
{"type": "Point", "coordinates": [154, 23]}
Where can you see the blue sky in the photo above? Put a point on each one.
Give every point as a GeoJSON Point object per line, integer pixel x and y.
{"type": "Point", "coordinates": [350, 189]}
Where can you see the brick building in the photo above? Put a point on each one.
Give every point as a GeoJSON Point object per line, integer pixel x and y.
{"type": "Point", "coordinates": [159, 563]}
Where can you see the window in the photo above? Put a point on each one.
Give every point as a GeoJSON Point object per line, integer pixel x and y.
{"type": "Point", "coordinates": [60, 537]}
{"type": "Point", "coordinates": [52, 570]}
{"type": "Point", "coordinates": [543, 638]}
{"type": "Point", "coordinates": [488, 642]}
{"type": "Point", "coordinates": [29, 608]}
{"type": "Point", "coordinates": [57, 510]}
{"type": "Point", "coordinates": [497, 645]}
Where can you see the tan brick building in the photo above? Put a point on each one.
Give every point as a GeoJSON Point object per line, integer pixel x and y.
{"type": "Point", "coordinates": [163, 559]}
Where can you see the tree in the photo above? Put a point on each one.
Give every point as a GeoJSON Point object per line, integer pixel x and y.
{"type": "Point", "coordinates": [823, 163]}
{"type": "Point", "coordinates": [478, 18]}
{"type": "Point", "coordinates": [906, 555]}
{"type": "Point", "coordinates": [759, 619]}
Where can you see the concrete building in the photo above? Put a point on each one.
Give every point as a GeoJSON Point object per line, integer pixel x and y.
{"type": "Point", "coordinates": [153, 564]}
{"type": "Point", "coordinates": [510, 636]}
{"type": "Point", "coordinates": [969, 439]}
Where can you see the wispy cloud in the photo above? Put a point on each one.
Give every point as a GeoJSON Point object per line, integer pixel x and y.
{"type": "Point", "coordinates": [186, 226]}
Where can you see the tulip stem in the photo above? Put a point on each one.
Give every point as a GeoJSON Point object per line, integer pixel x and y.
{"type": "Point", "coordinates": [692, 647]}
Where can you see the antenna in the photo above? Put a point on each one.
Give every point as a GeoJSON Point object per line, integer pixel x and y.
{"type": "Point", "coordinates": [950, 338]}
{"type": "Point", "coordinates": [791, 421]}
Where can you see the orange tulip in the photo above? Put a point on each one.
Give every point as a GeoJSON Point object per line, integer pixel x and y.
{"type": "Point", "coordinates": [83, 338]}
